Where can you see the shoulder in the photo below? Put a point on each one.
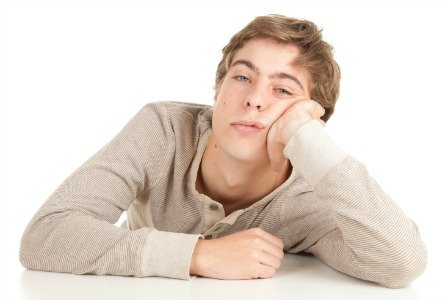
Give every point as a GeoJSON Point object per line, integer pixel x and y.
{"type": "Point", "coordinates": [182, 122]}
{"type": "Point", "coordinates": [172, 108]}
{"type": "Point", "coordinates": [181, 115]}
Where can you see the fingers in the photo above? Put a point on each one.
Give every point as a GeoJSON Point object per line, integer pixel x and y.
{"type": "Point", "coordinates": [269, 260]}
{"type": "Point", "coordinates": [276, 157]}
{"type": "Point", "coordinates": [320, 110]}
{"type": "Point", "coordinates": [269, 237]}
{"type": "Point", "coordinates": [279, 108]}
{"type": "Point", "coordinates": [317, 112]}
{"type": "Point", "coordinates": [270, 248]}
{"type": "Point", "coordinates": [275, 151]}
{"type": "Point", "coordinates": [265, 271]}
{"type": "Point", "coordinates": [268, 243]}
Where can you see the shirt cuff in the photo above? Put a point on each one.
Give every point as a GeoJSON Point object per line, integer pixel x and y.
{"type": "Point", "coordinates": [312, 152]}
{"type": "Point", "coordinates": [168, 254]}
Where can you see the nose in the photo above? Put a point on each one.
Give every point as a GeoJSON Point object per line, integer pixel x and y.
{"type": "Point", "coordinates": [258, 99]}
{"type": "Point", "coordinates": [257, 106]}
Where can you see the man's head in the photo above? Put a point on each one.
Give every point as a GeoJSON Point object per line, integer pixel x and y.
{"type": "Point", "coordinates": [315, 57]}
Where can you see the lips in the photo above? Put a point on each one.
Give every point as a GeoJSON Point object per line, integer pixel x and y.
{"type": "Point", "coordinates": [245, 127]}
{"type": "Point", "coordinates": [255, 124]}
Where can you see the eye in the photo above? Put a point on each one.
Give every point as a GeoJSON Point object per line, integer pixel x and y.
{"type": "Point", "coordinates": [283, 91]}
{"type": "Point", "coordinates": [241, 78]}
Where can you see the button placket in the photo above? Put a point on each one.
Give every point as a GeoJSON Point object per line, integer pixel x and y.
{"type": "Point", "coordinates": [213, 213]}
{"type": "Point", "coordinates": [213, 206]}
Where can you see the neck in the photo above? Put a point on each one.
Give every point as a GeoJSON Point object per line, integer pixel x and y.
{"type": "Point", "coordinates": [234, 183]}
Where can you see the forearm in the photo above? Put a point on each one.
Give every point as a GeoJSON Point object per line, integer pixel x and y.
{"type": "Point", "coordinates": [361, 209]}
{"type": "Point", "coordinates": [74, 229]}
{"type": "Point", "coordinates": [313, 152]}
{"type": "Point", "coordinates": [75, 243]}
{"type": "Point", "coordinates": [376, 240]}
{"type": "Point", "coordinates": [374, 234]}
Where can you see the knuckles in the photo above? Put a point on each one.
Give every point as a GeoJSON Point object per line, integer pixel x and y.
{"type": "Point", "coordinates": [277, 264]}
{"type": "Point", "coordinates": [310, 105]}
{"type": "Point", "coordinates": [256, 240]}
{"type": "Point", "coordinates": [271, 273]}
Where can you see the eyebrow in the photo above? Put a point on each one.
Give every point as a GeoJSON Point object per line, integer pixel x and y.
{"type": "Point", "coordinates": [278, 75]}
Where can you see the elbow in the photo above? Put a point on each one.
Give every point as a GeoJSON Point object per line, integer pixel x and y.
{"type": "Point", "coordinates": [24, 251]}
{"type": "Point", "coordinates": [29, 249]}
{"type": "Point", "coordinates": [25, 259]}
{"type": "Point", "coordinates": [36, 245]}
{"type": "Point", "coordinates": [404, 270]}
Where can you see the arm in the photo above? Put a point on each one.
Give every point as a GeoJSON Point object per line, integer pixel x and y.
{"type": "Point", "coordinates": [374, 240]}
{"type": "Point", "coordinates": [73, 231]}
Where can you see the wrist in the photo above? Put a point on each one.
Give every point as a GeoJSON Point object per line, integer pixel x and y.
{"type": "Point", "coordinates": [292, 129]}
{"type": "Point", "coordinates": [195, 258]}
{"type": "Point", "coordinates": [313, 152]}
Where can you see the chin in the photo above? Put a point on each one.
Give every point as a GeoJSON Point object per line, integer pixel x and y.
{"type": "Point", "coordinates": [246, 151]}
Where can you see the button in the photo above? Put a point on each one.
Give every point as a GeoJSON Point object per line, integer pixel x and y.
{"type": "Point", "coordinates": [214, 206]}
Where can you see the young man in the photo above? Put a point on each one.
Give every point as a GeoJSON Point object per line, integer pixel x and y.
{"type": "Point", "coordinates": [223, 191]}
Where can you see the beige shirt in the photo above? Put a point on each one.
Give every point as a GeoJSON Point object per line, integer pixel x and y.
{"type": "Point", "coordinates": [329, 206]}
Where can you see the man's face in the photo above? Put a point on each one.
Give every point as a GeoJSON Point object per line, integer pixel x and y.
{"type": "Point", "coordinates": [260, 79]}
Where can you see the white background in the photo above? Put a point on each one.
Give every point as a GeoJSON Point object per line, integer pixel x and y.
{"type": "Point", "coordinates": [72, 73]}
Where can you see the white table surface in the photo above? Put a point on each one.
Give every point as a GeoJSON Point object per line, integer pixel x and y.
{"type": "Point", "coordinates": [299, 277]}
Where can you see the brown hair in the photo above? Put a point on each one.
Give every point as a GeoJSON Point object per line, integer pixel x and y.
{"type": "Point", "coordinates": [316, 56]}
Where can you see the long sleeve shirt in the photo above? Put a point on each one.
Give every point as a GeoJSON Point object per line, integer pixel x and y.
{"type": "Point", "coordinates": [329, 206]}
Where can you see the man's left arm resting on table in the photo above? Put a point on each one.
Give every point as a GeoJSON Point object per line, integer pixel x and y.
{"type": "Point", "coordinates": [374, 240]}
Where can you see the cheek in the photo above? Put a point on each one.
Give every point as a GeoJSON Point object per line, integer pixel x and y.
{"type": "Point", "coordinates": [230, 93]}
{"type": "Point", "coordinates": [223, 100]}
{"type": "Point", "coordinates": [228, 98]}
{"type": "Point", "coordinates": [222, 110]}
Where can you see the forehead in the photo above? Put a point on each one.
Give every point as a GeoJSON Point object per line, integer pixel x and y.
{"type": "Point", "coordinates": [268, 53]}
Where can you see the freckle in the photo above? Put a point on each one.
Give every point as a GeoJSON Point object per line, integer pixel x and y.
{"type": "Point", "coordinates": [216, 146]}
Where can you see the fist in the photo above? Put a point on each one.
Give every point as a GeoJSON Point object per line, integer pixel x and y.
{"type": "Point", "coordinates": [248, 254]}
{"type": "Point", "coordinates": [294, 115]}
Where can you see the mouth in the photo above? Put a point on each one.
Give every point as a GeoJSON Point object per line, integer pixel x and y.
{"type": "Point", "coordinates": [248, 126]}
{"type": "Point", "coordinates": [255, 124]}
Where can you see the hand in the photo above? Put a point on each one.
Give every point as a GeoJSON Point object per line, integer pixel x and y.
{"type": "Point", "coordinates": [294, 116]}
{"type": "Point", "coordinates": [247, 254]}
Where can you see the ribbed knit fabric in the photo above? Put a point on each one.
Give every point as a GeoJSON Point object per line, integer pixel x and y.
{"type": "Point", "coordinates": [329, 206]}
